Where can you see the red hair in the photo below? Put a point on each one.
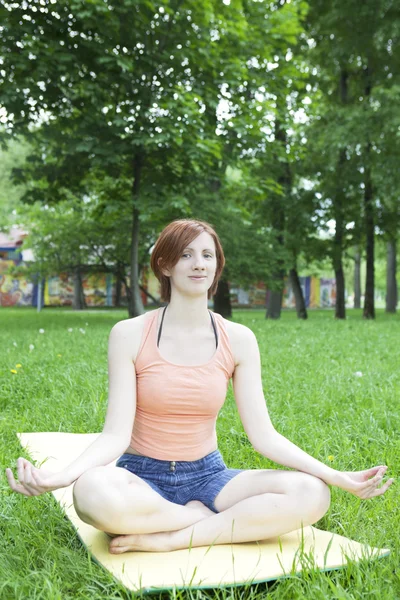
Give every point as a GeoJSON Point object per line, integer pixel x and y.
{"type": "Point", "coordinates": [170, 244]}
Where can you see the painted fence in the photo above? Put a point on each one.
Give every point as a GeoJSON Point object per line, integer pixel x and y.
{"type": "Point", "coordinates": [100, 290]}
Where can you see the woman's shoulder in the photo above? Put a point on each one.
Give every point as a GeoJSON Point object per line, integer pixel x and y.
{"type": "Point", "coordinates": [130, 325]}
{"type": "Point", "coordinates": [132, 330]}
{"type": "Point", "coordinates": [240, 337]}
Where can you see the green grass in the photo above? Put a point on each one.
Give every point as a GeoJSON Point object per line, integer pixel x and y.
{"type": "Point", "coordinates": [314, 398]}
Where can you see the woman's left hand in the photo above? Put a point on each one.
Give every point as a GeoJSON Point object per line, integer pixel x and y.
{"type": "Point", "coordinates": [364, 484]}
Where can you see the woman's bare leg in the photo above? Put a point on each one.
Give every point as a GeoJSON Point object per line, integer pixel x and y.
{"type": "Point", "coordinates": [302, 501]}
{"type": "Point", "coordinates": [116, 501]}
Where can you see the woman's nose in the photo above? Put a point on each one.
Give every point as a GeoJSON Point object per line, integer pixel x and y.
{"type": "Point", "coordinates": [199, 261]}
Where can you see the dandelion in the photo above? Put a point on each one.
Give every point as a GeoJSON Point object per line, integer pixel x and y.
{"type": "Point", "coordinates": [31, 347]}
{"type": "Point", "coordinates": [41, 330]}
{"type": "Point", "coordinates": [358, 374]}
{"type": "Point", "coordinates": [82, 330]}
{"type": "Point", "coordinates": [331, 458]}
{"type": "Point", "coordinates": [18, 366]}
{"type": "Point", "coordinates": [13, 371]}
{"type": "Point", "coordinates": [70, 329]}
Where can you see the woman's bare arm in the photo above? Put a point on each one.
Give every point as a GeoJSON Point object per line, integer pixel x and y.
{"type": "Point", "coordinates": [117, 429]}
{"type": "Point", "coordinates": [249, 396]}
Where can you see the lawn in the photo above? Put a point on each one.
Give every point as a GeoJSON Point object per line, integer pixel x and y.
{"type": "Point", "coordinates": [332, 387]}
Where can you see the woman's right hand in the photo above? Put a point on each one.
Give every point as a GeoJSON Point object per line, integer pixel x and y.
{"type": "Point", "coordinates": [33, 481]}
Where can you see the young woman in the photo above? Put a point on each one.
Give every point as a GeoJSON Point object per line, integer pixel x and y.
{"type": "Point", "coordinates": [168, 375]}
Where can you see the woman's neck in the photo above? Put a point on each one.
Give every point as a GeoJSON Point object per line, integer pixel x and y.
{"type": "Point", "coordinates": [186, 315]}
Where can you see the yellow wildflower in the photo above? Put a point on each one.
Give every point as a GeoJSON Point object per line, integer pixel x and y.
{"type": "Point", "coordinates": [331, 458]}
{"type": "Point", "coordinates": [13, 371]}
{"type": "Point", "coordinates": [59, 355]}
{"type": "Point", "coordinates": [18, 366]}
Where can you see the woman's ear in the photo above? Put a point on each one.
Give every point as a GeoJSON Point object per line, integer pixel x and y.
{"type": "Point", "coordinates": [163, 271]}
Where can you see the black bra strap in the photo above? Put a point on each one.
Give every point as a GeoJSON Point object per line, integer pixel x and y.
{"type": "Point", "coordinates": [215, 330]}
{"type": "Point", "coordinates": [159, 332]}
{"type": "Point", "coordinates": [212, 321]}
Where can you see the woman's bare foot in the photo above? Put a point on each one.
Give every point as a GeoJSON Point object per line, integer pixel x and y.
{"type": "Point", "coordinates": [141, 542]}
{"type": "Point", "coordinates": [154, 542]}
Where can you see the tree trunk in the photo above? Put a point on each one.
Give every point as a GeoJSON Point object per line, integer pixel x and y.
{"type": "Point", "coordinates": [278, 217]}
{"type": "Point", "coordinates": [391, 282]}
{"type": "Point", "coordinates": [78, 301]}
{"type": "Point", "coordinates": [357, 279]}
{"type": "Point", "coordinates": [369, 301]}
{"type": "Point", "coordinates": [222, 299]}
{"type": "Point", "coordinates": [338, 210]}
{"type": "Point", "coordinates": [340, 307]}
{"type": "Point", "coordinates": [338, 202]}
{"type": "Point", "coordinates": [274, 304]}
{"type": "Point", "coordinates": [135, 304]}
{"type": "Point", "coordinates": [298, 294]}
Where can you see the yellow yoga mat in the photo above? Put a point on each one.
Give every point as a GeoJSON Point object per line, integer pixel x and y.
{"type": "Point", "coordinates": [205, 567]}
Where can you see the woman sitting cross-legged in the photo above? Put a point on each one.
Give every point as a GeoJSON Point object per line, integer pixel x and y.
{"type": "Point", "coordinates": [169, 370]}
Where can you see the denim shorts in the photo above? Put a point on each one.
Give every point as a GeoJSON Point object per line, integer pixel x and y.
{"type": "Point", "coordinates": [182, 481]}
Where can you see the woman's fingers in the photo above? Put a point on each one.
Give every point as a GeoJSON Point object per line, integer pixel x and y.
{"type": "Point", "coordinates": [27, 473]}
{"type": "Point", "coordinates": [373, 490]}
{"type": "Point", "coordinates": [20, 470]}
{"type": "Point", "coordinates": [376, 479]}
{"type": "Point", "coordinates": [373, 471]}
{"type": "Point", "coordinates": [371, 479]}
{"type": "Point", "coordinates": [16, 487]}
{"type": "Point", "coordinates": [382, 490]}
{"type": "Point", "coordinates": [370, 483]}
{"type": "Point", "coordinates": [32, 481]}
{"type": "Point", "coordinates": [27, 482]}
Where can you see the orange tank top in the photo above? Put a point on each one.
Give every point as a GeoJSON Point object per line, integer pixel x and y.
{"type": "Point", "coordinates": [177, 405]}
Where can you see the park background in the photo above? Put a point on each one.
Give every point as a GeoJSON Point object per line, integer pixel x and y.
{"type": "Point", "coordinates": [277, 122]}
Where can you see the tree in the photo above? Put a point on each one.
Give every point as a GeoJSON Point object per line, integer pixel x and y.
{"type": "Point", "coordinates": [354, 47]}
{"type": "Point", "coordinates": [127, 101]}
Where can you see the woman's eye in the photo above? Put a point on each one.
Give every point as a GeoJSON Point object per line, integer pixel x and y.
{"type": "Point", "coordinates": [207, 255]}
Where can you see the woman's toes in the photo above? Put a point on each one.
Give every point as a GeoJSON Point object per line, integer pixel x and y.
{"type": "Point", "coordinates": [147, 542]}
{"type": "Point", "coordinates": [121, 544]}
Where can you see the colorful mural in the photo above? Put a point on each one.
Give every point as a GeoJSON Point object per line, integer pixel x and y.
{"type": "Point", "coordinates": [327, 293]}
{"type": "Point", "coordinates": [318, 293]}
{"type": "Point", "coordinates": [14, 291]}
{"type": "Point", "coordinates": [97, 288]}
{"type": "Point", "coordinates": [100, 290]}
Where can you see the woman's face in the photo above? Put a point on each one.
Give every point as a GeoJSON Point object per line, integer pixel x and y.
{"type": "Point", "coordinates": [194, 272]}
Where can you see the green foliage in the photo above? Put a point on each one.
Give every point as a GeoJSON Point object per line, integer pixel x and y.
{"type": "Point", "coordinates": [10, 194]}
{"type": "Point", "coordinates": [229, 112]}
{"type": "Point", "coordinates": [357, 72]}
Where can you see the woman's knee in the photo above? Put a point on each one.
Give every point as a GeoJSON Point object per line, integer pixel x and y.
{"type": "Point", "coordinates": [315, 497]}
{"type": "Point", "coordinates": [95, 494]}
{"type": "Point", "coordinates": [102, 494]}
